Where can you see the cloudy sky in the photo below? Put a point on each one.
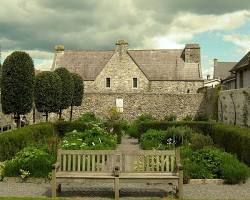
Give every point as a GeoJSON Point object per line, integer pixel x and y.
{"type": "Point", "coordinates": [221, 27]}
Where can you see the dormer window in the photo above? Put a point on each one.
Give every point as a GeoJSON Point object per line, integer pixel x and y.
{"type": "Point", "coordinates": [108, 84]}
{"type": "Point", "coordinates": [135, 83]}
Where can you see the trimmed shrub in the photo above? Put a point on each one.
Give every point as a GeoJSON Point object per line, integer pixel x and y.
{"type": "Point", "coordinates": [233, 139]}
{"type": "Point", "coordinates": [32, 159]}
{"type": "Point", "coordinates": [62, 127]}
{"type": "Point", "coordinates": [153, 139]}
{"type": "Point", "coordinates": [212, 163]}
{"type": "Point", "coordinates": [16, 140]}
{"type": "Point", "coordinates": [88, 117]}
{"type": "Point", "coordinates": [199, 141]}
{"type": "Point", "coordinates": [187, 118]}
{"type": "Point", "coordinates": [201, 117]}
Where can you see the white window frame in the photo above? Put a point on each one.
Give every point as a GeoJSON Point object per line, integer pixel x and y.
{"type": "Point", "coordinates": [133, 83]}
{"type": "Point", "coordinates": [119, 104]}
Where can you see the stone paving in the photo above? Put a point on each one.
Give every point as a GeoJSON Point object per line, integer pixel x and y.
{"type": "Point", "coordinates": [99, 191]}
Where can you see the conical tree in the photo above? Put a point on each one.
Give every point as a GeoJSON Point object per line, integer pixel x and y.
{"type": "Point", "coordinates": [47, 94]}
{"type": "Point", "coordinates": [78, 92]}
{"type": "Point", "coordinates": [67, 89]}
{"type": "Point", "coordinates": [17, 84]}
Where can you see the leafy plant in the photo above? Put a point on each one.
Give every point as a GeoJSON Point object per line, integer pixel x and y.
{"type": "Point", "coordinates": [187, 118]}
{"type": "Point", "coordinates": [199, 141]}
{"type": "Point", "coordinates": [170, 118]}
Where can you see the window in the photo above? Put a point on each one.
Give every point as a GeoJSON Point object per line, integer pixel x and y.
{"type": "Point", "coordinates": [135, 83]}
{"type": "Point", "coordinates": [108, 83]}
{"type": "Point", "coordinates": [241, 79]}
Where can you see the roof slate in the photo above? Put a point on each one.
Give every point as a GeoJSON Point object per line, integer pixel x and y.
{"type": "Point", "coordinates": [242, 63]}
{"type": "Point", "coordinates": [165, 64]}
{"type": "Point", "coordinates": [222, 69]}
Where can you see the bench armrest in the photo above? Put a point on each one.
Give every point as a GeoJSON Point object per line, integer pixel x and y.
{"type": "Point", "coordinates": [179, 167]}
{"type": "Point", "coordinates": [56, 166]}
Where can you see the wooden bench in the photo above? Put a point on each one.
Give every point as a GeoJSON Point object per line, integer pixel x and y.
{"type": "Point", "coordinates": [118, 167]}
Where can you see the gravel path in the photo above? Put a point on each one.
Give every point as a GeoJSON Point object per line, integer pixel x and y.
{"type": "Point", "coordinates": [191, 191]}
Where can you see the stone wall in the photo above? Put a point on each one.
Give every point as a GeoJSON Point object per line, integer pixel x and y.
{"type": "Point", "coordinates": [158, 105]}
{"type": "Point", "coordinates": [234, 107]}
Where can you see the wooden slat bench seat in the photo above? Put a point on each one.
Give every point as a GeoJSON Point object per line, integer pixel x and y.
{"type": "Point", "coordinates": [118, 167]}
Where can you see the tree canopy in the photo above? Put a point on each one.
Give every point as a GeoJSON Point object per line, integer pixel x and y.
{"type": "Point", "coordinates": [68, 89]}
{"type": "Point", "coordinates": [47, 94]}
{"type": "Point", "coordinates": [17, 84]}
{"type": "Point", "coordinates": [78, 90]}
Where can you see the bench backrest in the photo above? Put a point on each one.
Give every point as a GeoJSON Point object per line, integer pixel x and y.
{"type": "Point", "coordinates": [106, 160]}
{"type": "Point", "coordinates": [149, 161]}
{"type": "Point", "coordinates": [88, 160]}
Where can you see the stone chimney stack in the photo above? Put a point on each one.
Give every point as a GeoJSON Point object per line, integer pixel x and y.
{"type": "Point", "coordinates": [191, 53]}
{"type": "Point", "coordinates": [215, 66]}
{"type": "Point", "coordinates": [59, 48]}
{"type": "Point", "coordinates": [121, 46]}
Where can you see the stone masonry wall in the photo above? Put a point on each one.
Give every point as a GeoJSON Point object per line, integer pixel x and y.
{"type": "Point", "coordinates": [158, 105]}
{"type": "Point", "coordinates": [234, 107]}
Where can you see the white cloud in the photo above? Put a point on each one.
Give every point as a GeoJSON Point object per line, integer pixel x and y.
{"type": "Point", "coordinates": [186, 25]}
{"type": "Point", "coordinates": [241, 41]}
{"type": "Point", "coordinates": [45, 65]}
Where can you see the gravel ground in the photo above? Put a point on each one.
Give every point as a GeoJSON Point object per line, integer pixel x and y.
{"type": "Point", "coordinates": [191, 191]}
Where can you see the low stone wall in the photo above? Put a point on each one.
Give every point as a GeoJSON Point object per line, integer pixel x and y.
{"type": "Point", "coordinates": [234, 107]}
{"type": "Point", "coordinates": [158, 105]}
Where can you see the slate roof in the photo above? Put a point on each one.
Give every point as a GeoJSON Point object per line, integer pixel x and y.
{"type": "Point", "coordinates": [222, 69]}
{"type": "Point", "coordinates": [245, 61]}
{"type": "Point", "coordinates": [165, 64]}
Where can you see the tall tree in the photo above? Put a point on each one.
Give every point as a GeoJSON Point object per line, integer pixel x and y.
{"type": "Point", "coordinates": [78, 92]}
{"type": "Point", "coordinates": [47, 94]}
{"type": "Point", "coordinates": [67, 89]}
{"type": "Point", "coordinates": [17, 84]}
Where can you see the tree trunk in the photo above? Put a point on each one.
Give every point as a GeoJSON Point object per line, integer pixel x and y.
{"type": "Point", "coordinates": [18, 125]}
{"type": "Point", "coordinates": [60, 115]}
{"type": "Point", "coordinates": [71, 113]}
{"type": "Point", "coordinates": [47, 116]}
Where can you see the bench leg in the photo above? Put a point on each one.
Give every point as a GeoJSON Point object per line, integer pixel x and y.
{"type": "Point", "coordinates": [116, 188]}
{"type": "Point", "coordinates": [180, 185]}
{"type": "Point", "coordinates": [53, 184]}
{"type": "Point", "coordinates": [59, 188]}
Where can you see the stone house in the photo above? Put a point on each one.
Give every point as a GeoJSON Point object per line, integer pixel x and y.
{"type": "Point", "coordinates": [242, 72]}
{"type": "Point", "coordinates": [137, 81]}
{"type": "Point", "coordinates": [222, 72]}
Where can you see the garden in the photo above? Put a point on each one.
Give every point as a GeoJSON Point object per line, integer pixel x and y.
{"type": "Point", "coordinates": [208, 150]}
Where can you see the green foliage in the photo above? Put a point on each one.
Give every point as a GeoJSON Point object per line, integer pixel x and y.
{"type": "Point", "coordinates": [200, 117]}
{"type": "Point", "coordinates": [199, 141]}
{"type": "Point", "coordinates": [34, 160]}
{"type": "Point", "coordinates": [95, 138]}
{"type": "Point", "coordinates": [233, 171]}
{"type": "Point", "coordinates": [187, 118]}
{"type": "Point", "coordinates": [204, 127]}
{"type": "Point", "coordinates": [173, 136]}
{"type": "Point", "coordinates": [170, 118]}
{"type": "Point", "coordinates": [153, 139]}
{"type": "Point", "coordinates": [16, 140]}
{"type": "Point", "coordinates": [62, 127]}
{"type": "Point", "coordinates": [144, 118]}
{"type": "Point", "coordinates": [233, 139]}
{"type": "Point", "coordinates": [0, 75]}
{"type": "Point", "coordinates": [17, 84]}
{"type": "Point", "coordinates": [67, 87]}
{"type": "Point", "coordinates": [88, 117]}
{"type": "Point", "coordinates": [48, 89]}
{"type": "Point", "coordinates": [212, 163]}
{"type": "Point", "coordinates": [78, 90]}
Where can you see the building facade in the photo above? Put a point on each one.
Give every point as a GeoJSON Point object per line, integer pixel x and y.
{"type": "Point", "coordinates": [135, 81]}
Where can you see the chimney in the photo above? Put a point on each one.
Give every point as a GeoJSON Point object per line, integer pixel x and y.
{"type": "Point", "coordinates": [215, 66]}
{"type": "Point", "coordinates": [121, 46]}
{"type": "Point", "coordinates": [191, 53]}
{"type": "Point", "coordinates": [59, 48]}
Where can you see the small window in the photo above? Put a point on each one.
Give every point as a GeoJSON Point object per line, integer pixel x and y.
{"type": "Point", "coordinates": [108, 82]}
{"type": "Point", "coordinates": [135, 83]}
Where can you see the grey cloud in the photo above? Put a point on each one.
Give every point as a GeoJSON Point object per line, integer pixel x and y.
{"type": "Point", "coordinates": [94, 24]}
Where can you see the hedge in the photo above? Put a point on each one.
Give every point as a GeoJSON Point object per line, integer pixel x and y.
{"type": "Point", "coordinates": [233, 139]}
{"type": "Point", "coordinates": [16, 140]}
{"type": "Point", "coordinates": [64, 127]}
